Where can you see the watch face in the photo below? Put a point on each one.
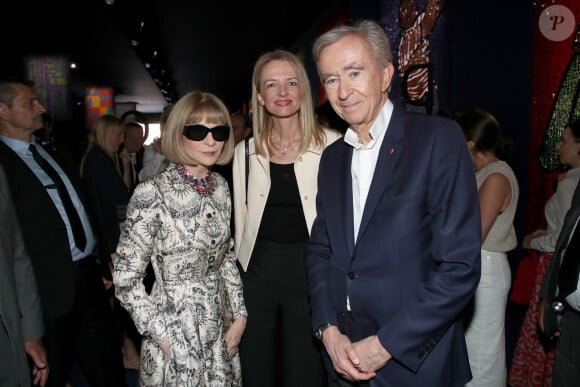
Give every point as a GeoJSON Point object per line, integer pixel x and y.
{"type": "Point", "coordinates": [318, 334]}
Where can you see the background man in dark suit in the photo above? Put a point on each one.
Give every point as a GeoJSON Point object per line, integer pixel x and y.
{"type": "Point", "coordinates": [560, 308]}
{"type": "Point", "coordinates": [394, 254]}
{"type": "Point", "coordinates": [21, 327]}
{"type": "Point", "coordinates": [132, 149]}
{"type": "Point", "coordinates": [59, 237]}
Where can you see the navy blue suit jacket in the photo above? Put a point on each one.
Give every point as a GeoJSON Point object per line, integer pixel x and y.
{"type": "Point", "coordinates": [416, 262]}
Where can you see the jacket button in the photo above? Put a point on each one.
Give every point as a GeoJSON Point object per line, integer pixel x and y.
{"type": "Point", "coordinates": [352, 275]}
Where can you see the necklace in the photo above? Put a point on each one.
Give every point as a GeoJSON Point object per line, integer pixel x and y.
{"type": "Point", "coordinates": [284, 149]}
{"type": "Point", "coordinates": [204, 186]}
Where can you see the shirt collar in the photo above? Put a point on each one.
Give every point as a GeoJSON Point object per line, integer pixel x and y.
{"type": "Point", "coordinates": [377, 129]}
{"type": "Point", "coordinates": [18, 146]}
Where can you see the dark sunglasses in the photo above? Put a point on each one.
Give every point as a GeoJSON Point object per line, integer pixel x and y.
{"type": "Point", "coordinates": [199, 132]}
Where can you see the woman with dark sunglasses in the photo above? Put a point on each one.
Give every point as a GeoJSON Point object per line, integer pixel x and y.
{"type": "Point", "coordinates": [179, 220]}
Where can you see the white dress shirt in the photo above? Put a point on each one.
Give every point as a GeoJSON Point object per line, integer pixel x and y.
{"type": "Point", "coordinates": [21, 148]}
{"type": "Point", "coordinates": [364, 161]}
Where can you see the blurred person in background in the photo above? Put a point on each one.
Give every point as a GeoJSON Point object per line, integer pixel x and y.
{"type": "Point", "coordinates": [21, 326]}
{"type": "Point", "coordinates": [498, 199]}
{"type": "Point", "coordinates": [153, 159]}
{"type": "Point", "coordinates": [58, 227]}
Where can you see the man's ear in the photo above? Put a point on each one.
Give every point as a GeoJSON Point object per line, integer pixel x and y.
{"type": "Point", "coordinates": [471, 145]}
{"type": "Point", "coordinates": [387, 77]}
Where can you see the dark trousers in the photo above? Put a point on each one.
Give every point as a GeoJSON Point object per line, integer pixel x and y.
{"type": "Point", "coordinates": [567, 360]}
{"type": "Point", "coordinates": [278, 347]}
{"type": "Point", "coordinates": [87, 334]}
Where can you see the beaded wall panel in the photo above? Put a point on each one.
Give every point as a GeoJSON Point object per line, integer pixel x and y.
{"type": "Point", "coordinates": [419, 35]}
{"type": "Point", "coordinates": [554, 99]}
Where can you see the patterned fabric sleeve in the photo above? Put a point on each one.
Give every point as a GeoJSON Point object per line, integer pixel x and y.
{"type": "Point", "coordinates": [233, 283]}
{"type": "Point", "coordinates": [133, 254]}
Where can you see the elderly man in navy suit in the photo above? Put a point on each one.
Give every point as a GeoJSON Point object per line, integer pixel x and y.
{"type": "Point", "coordinates": [394, 255]}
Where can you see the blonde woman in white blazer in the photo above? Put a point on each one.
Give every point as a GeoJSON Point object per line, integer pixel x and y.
{"type": "Point", "coordinates": [272, 229]}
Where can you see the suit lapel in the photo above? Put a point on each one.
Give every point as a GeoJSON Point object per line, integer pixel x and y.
{"type": "Point", "coordinates": [391, 149]}
{"type": "Point", "coordinates": [569, 221]}
{"type": "Point", "coordinates": [344, 198]}
{"type": "Point", "coordinates": [567, 227]}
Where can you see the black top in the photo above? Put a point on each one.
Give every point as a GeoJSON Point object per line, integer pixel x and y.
{"type": "Point", "coordinates": [283, 219]}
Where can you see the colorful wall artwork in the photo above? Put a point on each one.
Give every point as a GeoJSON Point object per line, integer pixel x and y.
{"type": "Point", "coordinates": [98, 101]}
{"type": "Point", "coordinates": [50, 75]}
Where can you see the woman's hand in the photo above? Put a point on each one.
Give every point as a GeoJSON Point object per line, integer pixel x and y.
{"type": "Point", "coordinates": [125, 156]}
{"type": "Point", "coordinates": [157, 145]}
{"type": "Point", "coordinates": [165, 348]}
{"type": "Point", "coordinates": [528, 238]}
{"type": "Point", "coordinates": [234, 335]}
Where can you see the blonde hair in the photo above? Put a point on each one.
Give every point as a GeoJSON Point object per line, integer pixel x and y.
{"type": "Point", "coordinates": [99, 133]}
{"type": "Point", "coordinates": [193, 108]}
{"type": "Point", "coordinates": [163, 118]}
{"type": "Point", "coordinates": [262, 119]}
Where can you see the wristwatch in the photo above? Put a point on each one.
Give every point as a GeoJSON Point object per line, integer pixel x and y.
{"type": "Point", "coordinates": [320, 330]}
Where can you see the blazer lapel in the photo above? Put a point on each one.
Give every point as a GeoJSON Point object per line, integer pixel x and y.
{"type": "Point", "coordinates": [391, 148]}
{"type": "Point", "coordinates": [345, 212]}
{"type": "Point", "coordinates": [549, 286]}
{"type": "Point", "coordinates": [567, 227]}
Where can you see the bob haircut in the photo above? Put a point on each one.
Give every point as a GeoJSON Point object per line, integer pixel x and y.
{"type": "Point", "coordinates": [262, 120]}
{"type": "Point", "coordinates": [193, 108]}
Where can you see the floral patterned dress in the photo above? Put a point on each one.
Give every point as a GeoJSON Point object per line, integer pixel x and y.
{"type": "Point", "coordinates": [186, 236]}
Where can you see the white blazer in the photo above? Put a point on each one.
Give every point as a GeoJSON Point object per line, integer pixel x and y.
{"type": "Point", "coordinates": [247, 222]}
